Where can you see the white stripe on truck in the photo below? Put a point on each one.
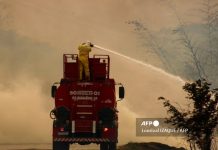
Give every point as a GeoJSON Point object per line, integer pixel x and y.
{"type": "Point", "coordinates": [94, 127]}
{"type": "Point", "coordinates": [73, 126]}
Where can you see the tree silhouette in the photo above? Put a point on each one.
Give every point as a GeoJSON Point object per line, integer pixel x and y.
{"type": "Point", "coordinates": [151, 42]}
{"type": "Point", "coordinates": [200, 120]}
{"type": "Point", "coordinates": [200, 49]}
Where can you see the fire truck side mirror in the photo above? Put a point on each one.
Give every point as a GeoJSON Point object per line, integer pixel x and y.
{"type": "Point", "coordinates": [53, 90]}
{"type": "Point", "coordinates": [121, 92]}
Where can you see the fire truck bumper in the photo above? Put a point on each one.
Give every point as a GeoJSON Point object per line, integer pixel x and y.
{"type": "Point", "coordinates": [82, 140]}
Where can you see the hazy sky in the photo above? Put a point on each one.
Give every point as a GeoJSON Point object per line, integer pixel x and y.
{"type": "Point", "coordinates": [64, 23]}
{"type": "Point", "coordinates": [41, 30]}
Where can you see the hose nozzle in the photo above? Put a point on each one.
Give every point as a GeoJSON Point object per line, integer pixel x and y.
{"type": "Point", "coordinates": [90, 44]}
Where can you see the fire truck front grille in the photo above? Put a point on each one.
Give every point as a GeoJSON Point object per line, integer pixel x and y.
{"type": "Point", "coordinates": [81, 140]}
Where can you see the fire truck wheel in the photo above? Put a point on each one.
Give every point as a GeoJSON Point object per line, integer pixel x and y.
{"type": "Point", "coordinates": [104, 146]}
{"type": "Point", "coordinates": [61, 146]}
{"type": "Point", "coordinates": [112, 146]}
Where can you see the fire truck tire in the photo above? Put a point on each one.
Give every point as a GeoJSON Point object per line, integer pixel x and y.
{"type": "Point", "coordinates": [112, 146]}
{"type": "Point", "coordinates": [104, 146]}
{"type": "Point", "coordinates": [61, 146]}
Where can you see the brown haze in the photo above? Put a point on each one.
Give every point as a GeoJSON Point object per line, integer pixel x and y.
{"type": "Point", "coordinates": [37, 32]}
{"type": "Point", "coordinates": [25, 119]}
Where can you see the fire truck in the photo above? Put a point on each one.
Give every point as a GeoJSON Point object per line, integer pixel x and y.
{"type": "Point", "coordinates": [86, 111]}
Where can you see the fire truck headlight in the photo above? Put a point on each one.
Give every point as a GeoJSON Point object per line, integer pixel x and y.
{"type": "Point", "coordinates": [107, 114]}
{"type": "Point", "coordinates": [62, 114]}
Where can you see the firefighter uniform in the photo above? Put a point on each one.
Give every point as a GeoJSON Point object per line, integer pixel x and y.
{"type": "Point", "coordinates": [84, 50]}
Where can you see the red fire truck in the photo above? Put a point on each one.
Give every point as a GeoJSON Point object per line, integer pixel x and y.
{"type": "Point", "coordinates": [86, 111]}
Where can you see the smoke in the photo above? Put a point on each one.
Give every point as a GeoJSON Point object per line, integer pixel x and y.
{"type": "Point", "coordinates": [144, 84]}
{"type": "Point", "coordinates": [127, 133]}
{"type": "Point", "coordinates": [29, 67]}
{"type": "Point", "coordinates": [137, 61]}
{"type": "Point", "coordinates": [25, 78]}
{"type": "Point", "coordinates": [26, 74]}
{"type": "Point", "coordinates": [24, 56]}
{"type": "Point", "coordinates": [23, 119]}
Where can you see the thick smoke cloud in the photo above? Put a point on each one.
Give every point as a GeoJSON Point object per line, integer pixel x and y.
{"type": "Point", "coordinates": [144, 84]}
{"type": "Point", "coordinates": [21, 55]}
{"type": "Point", "coordinates": [30, 62]}
{"type": "Point", "coordinates": [23, 119]}
{"type": "Point", "coordinates": [29, 70]}
{"type": "Point", "coordinates": [26, 73]}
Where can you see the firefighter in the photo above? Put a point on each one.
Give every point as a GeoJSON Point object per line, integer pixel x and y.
{"type": "Point", "coordinates": [84, 50]}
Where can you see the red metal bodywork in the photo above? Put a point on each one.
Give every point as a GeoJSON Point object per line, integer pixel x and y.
{"type": "Point", "coordinates": [86, 103]}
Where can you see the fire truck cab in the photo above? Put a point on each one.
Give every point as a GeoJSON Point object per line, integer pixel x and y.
{"type": "Point", "coordinates": [85, 111]}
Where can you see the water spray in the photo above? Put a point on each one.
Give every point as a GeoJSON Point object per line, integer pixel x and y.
{"type": "Point", "coordinates": [137, 61]}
